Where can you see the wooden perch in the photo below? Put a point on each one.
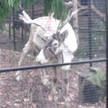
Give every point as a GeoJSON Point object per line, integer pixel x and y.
{"type": "Point", "coordinates": [94, 9]}
{"type": "Point", "coordinates": [84, 12]}
{"type": "Point", "coordinates": [97, 11]}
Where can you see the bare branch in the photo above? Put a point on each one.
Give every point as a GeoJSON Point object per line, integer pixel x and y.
{"type": "Point", "coordinates": [69, 16]}
{"type": "Point", "coordinates": [97, 11]}
{"type": "Point", "coordinates": [84, 12]}
{"type": "Point", "coordinates": [20, 6]}
{"type": "Point", "coordinates": [93, 8]}
{"type": "Point", "coordinates": [100, 14]}
{"type": "Point", "coordinates": [83, 7]}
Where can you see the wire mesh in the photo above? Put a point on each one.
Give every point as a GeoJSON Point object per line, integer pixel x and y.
{"type": "Point", "coordinates": [86, 85]}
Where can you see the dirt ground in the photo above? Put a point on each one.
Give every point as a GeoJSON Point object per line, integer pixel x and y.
{"type": "Point", "coordinates": [30, 92]}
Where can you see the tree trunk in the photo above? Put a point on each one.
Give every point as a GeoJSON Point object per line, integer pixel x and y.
{"type": "Point", "coordinates": [75, 21]}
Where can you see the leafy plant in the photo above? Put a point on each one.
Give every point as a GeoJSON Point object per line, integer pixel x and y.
{"type": "Point", "coordinates": [56, 6]}
{"type": "Point", "coordinates": [97, 78]}
{"type": "Point", "coordinates": [98, 38]}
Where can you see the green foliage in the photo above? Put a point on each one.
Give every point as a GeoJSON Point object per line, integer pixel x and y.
{"type": "Point", "coordinates": [4, 9]}
{"type": "Point", "coordinates": [7, 5]}
{"type": "Point", "coordinates": [96, 77]}
{"type": "Point", "coordinates": [28, 4]}
{"type": "Point", "coordinates": [98, 41]}
{"type": "Point", "coordinates": [56, 6]}
{"type": "Point", "coordinates": [59, 9]}
{"type": "Point", "coordinates": [47, 6]}
{"type": "Point", "coordinates": [99, 38]}
{"type": "Point", "coordinates": [100, 26]}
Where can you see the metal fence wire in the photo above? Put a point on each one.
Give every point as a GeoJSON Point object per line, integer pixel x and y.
{"type": "Point", "coordinates": [87, 75]}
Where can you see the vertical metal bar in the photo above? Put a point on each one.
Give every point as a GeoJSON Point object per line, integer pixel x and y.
{"type": "Point", "coordinates": [90, 33]}
{"type": "Point", "coordinates": [32, 11]}
{"type": "Point", "coordinates": [9, 28]}
{"type": "Point", "coordinates": [107, 53]}
{"type": "Point", "coordinates": [14, 43]}
{"type": "Point", "coordinates": [22, 33]}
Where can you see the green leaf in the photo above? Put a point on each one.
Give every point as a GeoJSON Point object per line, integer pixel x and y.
{"type": "Point", "coordinates": [56, 6]}
{"type": "Point", "coordinates": [97, 77]}
{"type": "Point", "coordinates": [59, 8]}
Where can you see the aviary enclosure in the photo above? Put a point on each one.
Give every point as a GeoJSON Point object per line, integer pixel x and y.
{"type": "Point", "coordinates": [88, 71]}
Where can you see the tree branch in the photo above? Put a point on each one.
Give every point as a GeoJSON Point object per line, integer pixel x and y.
{"type": "Point", "coordinates": [97, 11]}
{"type": "Point", "coordinates": [84, 12]}
{"type": "Point", "coordinates": [94, 9]}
